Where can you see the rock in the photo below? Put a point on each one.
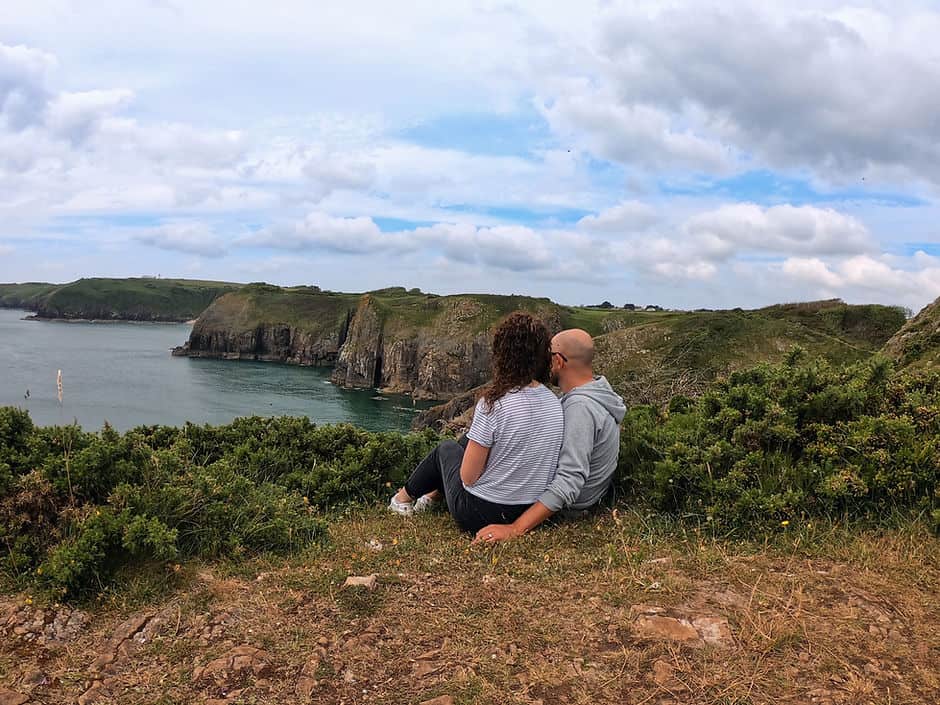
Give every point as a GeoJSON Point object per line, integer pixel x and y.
{"type": "Point", "coordinates": [307, 682]}
{"type": "Point", "coordinates": [680, 625]}
{"type": "Point", "coordinates": [439, 700]}
{"type": "Point", "coordinates": [11, 697]}
{"type": "Point", "coordinates": [46, 627]}
{"type": "Point", "coordinates": [424, 669]}
{"type": "Point", "coordinates": [665, 560]}
{"type": "Point", "coordinates": [129, 636]}
{"type": "Point", "coordinates": [235, 665]}
{"type": "Point", "coordinates": [368, 582]}
{"type": "Point", "coordinates": [663, 672]}
{"type": "Point", "coordinates": [36, 678]}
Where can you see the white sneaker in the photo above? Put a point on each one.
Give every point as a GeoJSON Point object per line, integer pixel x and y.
{"type": "Point", "coordinates": [404, 508]}
{"type": "Point", "coordinates": [425, 503]}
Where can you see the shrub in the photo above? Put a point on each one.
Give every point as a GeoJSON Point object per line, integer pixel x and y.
{"type": "Point", "coordinates": [75, 507]}
{"type": "Point", "coordinates": [779, 442]}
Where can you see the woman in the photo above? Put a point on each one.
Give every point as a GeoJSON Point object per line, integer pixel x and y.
{"type": "Point", "coordinates": [510, 454]}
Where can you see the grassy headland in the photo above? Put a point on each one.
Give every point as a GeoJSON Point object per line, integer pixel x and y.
{"type": "Point", "coordinates": [136, 299]}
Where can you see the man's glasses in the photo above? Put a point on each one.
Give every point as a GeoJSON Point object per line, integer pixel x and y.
{"type": "Point", "coordinates": [560, 355]}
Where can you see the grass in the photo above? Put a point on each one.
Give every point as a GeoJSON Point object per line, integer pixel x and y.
{"type": "Point", "coordinates": [840, 613]}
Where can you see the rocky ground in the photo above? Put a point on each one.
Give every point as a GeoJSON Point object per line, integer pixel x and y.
{"type": "Point", "coordinates": [613, 609]}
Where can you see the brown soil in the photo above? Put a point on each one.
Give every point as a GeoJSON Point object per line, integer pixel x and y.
{"type": "Point", "coordinates": [605, 611]}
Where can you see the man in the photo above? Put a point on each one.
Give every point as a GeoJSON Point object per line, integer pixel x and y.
{"type": "Point", "coordinates": [591, 442]}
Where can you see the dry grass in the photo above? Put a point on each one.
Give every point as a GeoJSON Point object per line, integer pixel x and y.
{"type": "Point", "coordinates": [826, 616]}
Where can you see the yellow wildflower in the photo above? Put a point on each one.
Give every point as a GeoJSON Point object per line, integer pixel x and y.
{"type": "Point", "coordinates": [785, 522]}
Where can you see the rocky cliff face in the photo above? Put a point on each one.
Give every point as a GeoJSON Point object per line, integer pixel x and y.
{"type": "Point", "coordinates": [427, 346]}
{"type": "Point", "coordinates": [359, 362]}
{"type": "Point", "coordinates": [445, 355]}
{"type": "Point", "coordinates": [272, 343]}
{"type": "Point", "coordinates": [433, 362]}
{"type": "Point", "coordinates": [917, 344]}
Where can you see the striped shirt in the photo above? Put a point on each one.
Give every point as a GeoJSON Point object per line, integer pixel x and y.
{"type": "Point", "coordinates": [523, 432]}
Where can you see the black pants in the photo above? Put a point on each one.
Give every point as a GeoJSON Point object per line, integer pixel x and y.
{"type": "Point", "coordinates": [440, 470]}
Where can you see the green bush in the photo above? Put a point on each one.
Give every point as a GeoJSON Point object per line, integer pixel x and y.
{"type": "Point", "coordinates": [779, 442]}
{"type": "Point", "coordinates": [764, 448]}
{"type": "Point", "coordinates": [75, 507]}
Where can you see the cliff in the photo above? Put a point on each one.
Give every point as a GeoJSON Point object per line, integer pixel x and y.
{"type": "Point", "coordinates": [400, 341]}
{"type": "Point", "coordinates": [438, 347]}
{"type": "Point", "coordinates": [917, 344]}
{"type": "Point", "coordinates": [133, 299]}
{"type": "Point", "coordinates": [300, 325]}
{"type": "Point", "coordinates": [432, 348]}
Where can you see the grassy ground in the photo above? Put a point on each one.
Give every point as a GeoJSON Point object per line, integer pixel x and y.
{"type": "Point", "coordinates": [818, 614]}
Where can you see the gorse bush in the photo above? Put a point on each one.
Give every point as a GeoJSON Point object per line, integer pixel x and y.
{"type": "Point", "coordinates": [780, 442]}
{"type": "Point", "coordinates": [770, 445]}
{"type": "Point", "coordinates": [75, 507]}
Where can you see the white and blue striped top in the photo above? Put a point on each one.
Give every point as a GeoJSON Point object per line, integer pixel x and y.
{"type": "Point", "coordinates": [523, 432]}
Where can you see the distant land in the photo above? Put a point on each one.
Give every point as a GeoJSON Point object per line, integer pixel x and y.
{"type": "Point", "coordinates": [437, 347]}
{"type": "Point", "coordinates": [134, 299]}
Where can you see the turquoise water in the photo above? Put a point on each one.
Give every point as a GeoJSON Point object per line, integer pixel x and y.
{"type": "Point", "coordinates": [123, 373]}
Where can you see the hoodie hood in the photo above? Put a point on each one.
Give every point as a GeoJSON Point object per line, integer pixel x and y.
{"type": "Point", "coordinates": [601, 392]}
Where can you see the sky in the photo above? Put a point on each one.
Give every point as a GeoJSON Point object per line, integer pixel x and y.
{"type": "Point", "coordinates": [686, 154]}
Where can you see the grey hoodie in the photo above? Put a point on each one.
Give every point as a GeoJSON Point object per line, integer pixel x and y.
{"type": "Point", "coordinates": [590, 447]}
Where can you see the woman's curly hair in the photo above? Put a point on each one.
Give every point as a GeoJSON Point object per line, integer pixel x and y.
{"type": "Point", "coordinates": [521, 353]}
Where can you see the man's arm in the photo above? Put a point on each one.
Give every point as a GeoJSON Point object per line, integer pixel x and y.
{"type": "Point", "coordinates": [574, 464]}
{"type": "Point", "coordinates": [530, 518]}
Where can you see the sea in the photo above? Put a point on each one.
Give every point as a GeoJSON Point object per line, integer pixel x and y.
{"type": "Point", "coordinates": [122, 373]}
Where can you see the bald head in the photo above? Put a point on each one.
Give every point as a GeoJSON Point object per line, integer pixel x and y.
{"type": "Point", "coordinates": [576, 345]}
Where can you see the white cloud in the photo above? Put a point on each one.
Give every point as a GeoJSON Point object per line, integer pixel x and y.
{"type": "Point", "coordinates": [786, 229]}
{"type": "Point", "coordinates": [627, 216]}
{"type": "Point", "coordinates": [812, 271]}
{"type": "Point", "coordinates": [843, 92]}
{"type": "Point", "coordinates": [23, 95]}
{"type": "Point", "coordinates": [75, 116]}
{"type": "Point", "coordinates": [913, 281]}
{"type": "Point", "coordinates": [191, 238]}
{"type": "Point", "coordinates": [319, 230]}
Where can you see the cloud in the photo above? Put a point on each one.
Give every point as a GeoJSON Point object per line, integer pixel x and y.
{"type": "Point", "coordinates": [75, 116]}
{"type": "Point", "coordinates": [627, 216]}
{"type": "Point", "coordinates": [843, 92]}
{"type": "Point", "coordinates": [190, 238]}
{"type": "Point", "coordinates": [786, 229]}
{"type": "Point", "coordinates": [23, 95]}
{"type": "Point", "coordinates": [322, 231]}
{"type": "Point", "coordinates": [914, 283]}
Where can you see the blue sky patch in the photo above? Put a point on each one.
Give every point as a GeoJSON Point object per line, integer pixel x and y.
{"type": "Point", "coordinates": [769, 188]}
{"type": "Point", "coordinates": [516, 135]}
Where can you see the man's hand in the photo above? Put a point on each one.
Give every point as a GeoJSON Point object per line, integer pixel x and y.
{"type": "Point", "coordinates": [496, 532]}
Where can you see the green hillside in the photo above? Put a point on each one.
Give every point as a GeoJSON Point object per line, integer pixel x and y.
{"type": "Point", "coordinates": [143, 299]}
{"type": "Point", "coordinates": [917, 344]}
{"type": "Point", "coordinates": [679, 353]}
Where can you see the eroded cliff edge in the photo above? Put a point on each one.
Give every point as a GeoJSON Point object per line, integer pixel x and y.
{"type": "Point", "coordinates": [432, 347]}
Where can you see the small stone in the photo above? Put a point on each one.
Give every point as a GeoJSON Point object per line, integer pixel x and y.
{"type": "Point", "coordinates": [368, 582]}
{"type": "Point", "coordinates": [665, 560]}
{"type": "Point", "coordinates": [11, 697]}
{"type": "Point", "coordinates": [424, 669]}
{"type": "Point", "coordinates": [663, 672]}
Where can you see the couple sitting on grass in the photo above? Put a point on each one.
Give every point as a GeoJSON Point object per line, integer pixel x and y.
{"type": "Point", "coordinates": [527, 455]}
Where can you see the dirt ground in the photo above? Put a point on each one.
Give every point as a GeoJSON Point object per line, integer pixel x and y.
{"type": "Point", "coordinates": [615, 609]}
